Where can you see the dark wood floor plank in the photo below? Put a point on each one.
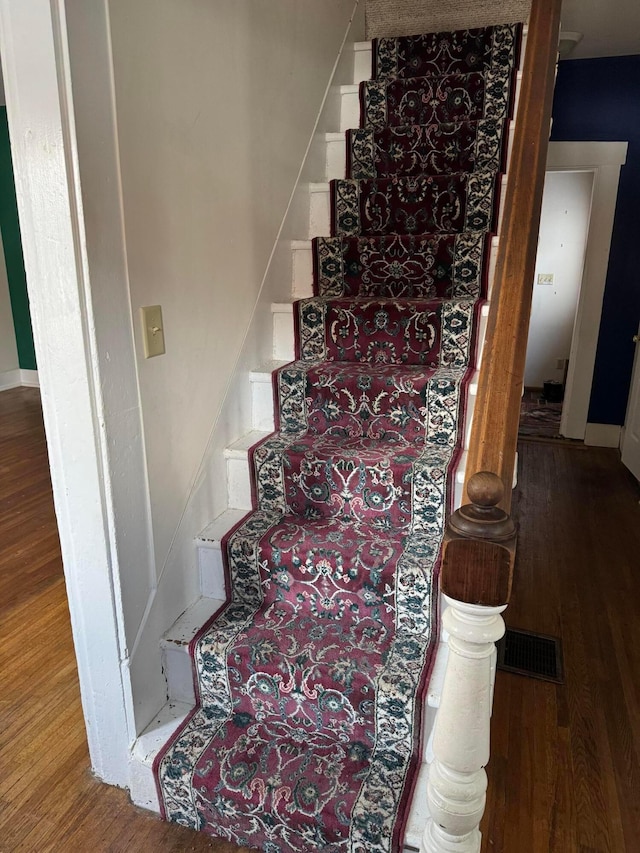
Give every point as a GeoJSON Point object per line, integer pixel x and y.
{"type": "Point", "coordinates": [577, 789]}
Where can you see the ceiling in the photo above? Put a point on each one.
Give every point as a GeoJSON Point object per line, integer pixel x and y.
{"type": "Point", "coordinates": [610, 27]}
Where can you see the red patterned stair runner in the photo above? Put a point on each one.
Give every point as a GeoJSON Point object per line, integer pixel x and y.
{"type": "Point", "coordinates": [306, 733]}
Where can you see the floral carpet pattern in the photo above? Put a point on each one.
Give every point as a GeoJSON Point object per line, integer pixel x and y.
{"type": "Point", "coordinates": [310, 683]}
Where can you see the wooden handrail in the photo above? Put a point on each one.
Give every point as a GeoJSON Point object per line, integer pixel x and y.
{"type": "Point", "coordinates": [497, 409]}
{"type": "Point", "coordinates": [479, 546]}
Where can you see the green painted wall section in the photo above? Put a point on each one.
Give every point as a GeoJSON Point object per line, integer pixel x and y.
{"type": "Point", "coordinates": [12, 241]}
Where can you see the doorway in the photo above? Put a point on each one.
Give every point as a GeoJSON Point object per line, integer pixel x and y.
{"type": "Point", "coordinates": [603, 161]}
{"type": "Point", "coordinates": [562, 240]}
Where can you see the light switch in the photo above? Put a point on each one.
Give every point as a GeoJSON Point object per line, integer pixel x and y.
{"type": "Point", "coordinates": [152, 330]}
{"type": "Point", "coordinates": [545, 278]}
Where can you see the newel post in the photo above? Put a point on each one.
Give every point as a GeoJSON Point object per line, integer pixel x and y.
{"type": "Point", "coordinates": [477, 567]}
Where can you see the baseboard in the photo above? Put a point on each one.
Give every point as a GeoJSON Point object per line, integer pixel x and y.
{"type": "Point", "coordinates": [19, 378]}
{"type": "Point", "coordinates": [29, 378]}
{"type": "Point", "coordinates": [10, 379]}
{"type": "Point", "coordinates": [602, 435]}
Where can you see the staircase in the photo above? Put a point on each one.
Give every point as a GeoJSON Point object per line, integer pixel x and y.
{"type": "Point", "coordinates": [254, 453]}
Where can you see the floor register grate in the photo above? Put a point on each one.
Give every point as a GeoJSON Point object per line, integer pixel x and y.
{"type": "Point", "coordinates": [535, 655]}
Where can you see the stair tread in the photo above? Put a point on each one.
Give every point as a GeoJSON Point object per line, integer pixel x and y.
{"type": "Point", "coordinates": [240, 447]}
{"type": "Point", "coordinates": [215, 530]}
{"type": "Point", "coordinates": [189, 623]}
{"type": "Point", "coordinates": [154, 737]}
{"type": "Point", "coordinates": [263, 371]}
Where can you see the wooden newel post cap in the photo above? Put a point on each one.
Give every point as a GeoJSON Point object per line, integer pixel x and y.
{"type": "Point", "coordinates": [485, 489]}
{"type": "Point", "coordinates": [483, 518]}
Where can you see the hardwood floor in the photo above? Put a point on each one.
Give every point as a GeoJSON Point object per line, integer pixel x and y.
{"type": "Point", "coordinates": [49, 800]}
{"type": "Point", "coordinates": [564, 774]}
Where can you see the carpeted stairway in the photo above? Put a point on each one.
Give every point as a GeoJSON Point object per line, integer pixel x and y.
{"type": "Point", "coordinates": [307, 731]}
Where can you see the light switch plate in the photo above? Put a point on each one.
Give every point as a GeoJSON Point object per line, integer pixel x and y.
{"type": "Point", "coordinates": [152, 330]}
{"type": "Point", "coordinates": [545, 278]}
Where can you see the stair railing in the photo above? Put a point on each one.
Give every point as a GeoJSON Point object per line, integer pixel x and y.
{"type": "Point", "coordinates": [479, 547]}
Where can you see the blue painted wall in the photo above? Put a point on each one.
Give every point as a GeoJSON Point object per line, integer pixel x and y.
{"type": "Point", "coordinates": [599, 100]}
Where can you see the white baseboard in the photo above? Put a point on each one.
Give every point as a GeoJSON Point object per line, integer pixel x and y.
{"type": "Point", "coordinates": [9, 379]}
{"type": "Point", "coordinates": [602, 435]}
{"type": "Point", "coordinates": [19, 378]}
{"type": "Point", "coordinates": [29, 378]}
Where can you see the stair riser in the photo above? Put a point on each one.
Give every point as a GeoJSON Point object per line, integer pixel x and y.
{"type": "Point", "coordinates": [177, 670]}
{"type": "Point", "coordinates": [239, 488]}
{"type": "Point", "coordinates": [349, 96]}
{"type": "Point", "coordinates": [238, 483]}
{"type": "Point", "coordinates": [349, 107]}
{"type": "Point", "coordinates": [336, 153]}
{"type": "Point", "coordinates": [349, 104]}
{"type": "Point", "coordinates": [302, 286]}
{"type": "Point", "coordinates": [284, 350]}
{"type": "Point", "coordinates": [336, 157]}
{"type": "Point", "coordinates": [262, 402]}
{"type": "Point", "coordinates": [263, 408]}
{"type": "Point", "coordinates": [319, 211]}
{"type": "Point", "coordinates": [362, 62]}
{"type": "Point", "coordinates": [212, 579]}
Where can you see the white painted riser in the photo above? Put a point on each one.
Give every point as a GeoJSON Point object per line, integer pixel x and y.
{"type": "Point", "coordinates": [362, 62]}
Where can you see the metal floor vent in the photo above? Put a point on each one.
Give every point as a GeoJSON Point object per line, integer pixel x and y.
{"type": "Point", "coordinates": [535, 655]}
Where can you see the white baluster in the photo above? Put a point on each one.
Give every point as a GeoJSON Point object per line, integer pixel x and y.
{"type": "Point", "coordinates": [456, 791]}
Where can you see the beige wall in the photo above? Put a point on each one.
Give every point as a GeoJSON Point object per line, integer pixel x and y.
{"type": "Point", "coordinates": [216, 101]}
{"type": "Point", "coordinates": [408, 17]}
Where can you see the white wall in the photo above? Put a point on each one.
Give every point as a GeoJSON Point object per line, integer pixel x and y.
{"type": "Point", "coordinates": [566, 207]}
{"type": "Point", "coordinates": [9, 370]}
{"type": "Point", "coordinates": [216, 103]}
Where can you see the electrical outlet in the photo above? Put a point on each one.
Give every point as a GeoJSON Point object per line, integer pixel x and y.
{"type": "Point", "coordinates": [152, 330]}
{"type": "Point", "coordinates": [545, 278]}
